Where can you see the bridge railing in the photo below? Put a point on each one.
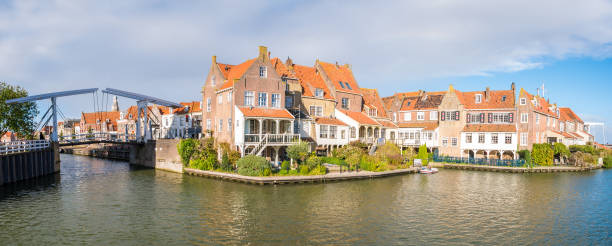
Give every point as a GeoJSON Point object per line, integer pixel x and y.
{"type": "Point", "coordinates": [101, 136]}
{"type": "Point", "coordinates": [23, 146]}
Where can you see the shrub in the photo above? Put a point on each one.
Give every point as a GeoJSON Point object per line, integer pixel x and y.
{"type": "Point", "coordinates": [283, 172]}
{"type": "Point", "coordinates": [584, 149]}
{"type": "Point", "coordinates": [561, 150]}
{"type": "Point", "coordinates": [423, 155]}
{"type": "Point", "coordinates": [367, 163]}
{"type": "Point", "coordinates": [225, 162]}
{"type": "Point", "coordinates": [607, 162]}
{"type": "Point", "coordinates": [351, 154]}
{"type": "Point", "coordinates": [391, 153]}
{"type": "Point", "coordinates": [304, 169]}
{"type": "Point", "coordinates": [334, 160]}
{"type": "Point", "coordinates": [186, 148]}
{"type": "Point", "coordinates": [313, 161]}
{"type": "Point", "coordinates": [298, 151]}
{"type": "Point", "coordinates": [251, 165]}
{"type": "Point", "coordinates": [525, 155]}
{"type": "Point", "coordinates": [543, 154]}
{"type": "Point", "coordinates": [319, 170]}
{"type": "Point", "coordinates": [208, 163]}
{"type": "Point", "coordinates": [285, 166]}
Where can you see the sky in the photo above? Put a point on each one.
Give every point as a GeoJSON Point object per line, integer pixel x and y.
{"type": "Point", "coordinates": [164, 48]}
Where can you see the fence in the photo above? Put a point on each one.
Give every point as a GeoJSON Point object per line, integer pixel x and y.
{"type": "Point", "coordinates": [23, 146]}
{"type": "Point", "coordinates": [480, 161]}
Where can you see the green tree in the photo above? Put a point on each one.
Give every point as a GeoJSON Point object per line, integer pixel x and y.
{"type": "Point", "coordinates": [18, 118]}
{"type": "Point", "coordinates": [542, 154]}
{"type": "Point", "coordinates": [423, 155]}
{"type": "Point", "coordinates": [561, 150]}
{"type": "Point", "coordinates": [298, 151]}
{"type": "Point", "coordinates": [186, 148]}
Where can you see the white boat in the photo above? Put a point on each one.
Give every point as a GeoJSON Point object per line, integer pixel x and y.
{"type": "Point", "coordinates": [425, 170]}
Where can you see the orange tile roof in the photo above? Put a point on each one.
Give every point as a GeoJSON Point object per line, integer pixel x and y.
{"type": "Point", "coordinates": [360, 117]}
{"type": "Point", "coordinates": [338, 73]}
{"type": "Point", "coordinates": [265, 112]}
{"type": "Point", "coordinates": [543, 105]}
{"type": "Point", "coordinates": [428, 126]}
{"type": "Point", "coordinates": [310, 79]}
{"type": "Point", "coordinates": [489, 128]}
{"type": "Point", "coordinates": [193, 106]}
{"type": "Point", "coordinates": [567, 135]}
{"type": "Point", "coordinates": [568, 115]}
{"type": "Point", "coordinates": [387, 123]}
{"type": "Point", "coordinates": [92, 118]}
{"type": "Point", "coordinates": [281, 68]}
{"type": "Point", "coordinates": [372, 99]}
{"type": "Point", "coordinates": [329, 121]}
{"type": "Point", "coordinates": [232, 72]}
{"type": "Point", "coordinates": [427, 101]}
{"type": "Point", "coordinates": [498, 99]}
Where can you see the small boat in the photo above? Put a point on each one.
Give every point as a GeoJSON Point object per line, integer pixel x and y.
{"type": "Point", "coordinates": [426, 170]}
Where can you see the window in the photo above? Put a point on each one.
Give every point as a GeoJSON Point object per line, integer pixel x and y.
{"type": "Point", "coordinates": [262, 99]}
{"type": "Point", "coordinates": [353, 132]}
{"type": "Point", "coordinates": [345, 103]}
{"type": "Point", "coordinates": [524, 117]}
{"type": "Point", "coordinates": [547, 121]}
{"type": "Point", "coordinates": [473, 118]}
{"type": "Point", "coordinates": [341, 85]}
{"type": "Point", "coordinates": [348, 86]}
{"type": "Point", "coordinates": [561, 126]}
{"type": "Point", "coordinates": [220, 126]}
{"type": "Point", "coordinates": [537, 119]}
{"type": "Point", "coordinates": [229, 96]}
{"type": "Point", "coordinates": [332, 131]}
{"type": "Point", "coordinates": [494, 138]}
{"type": "Point", "coordinates": [316, 110]}
{"type": "Point", "coordinates": [468, 138]}
{"type": "Point", "coordinates": [229, 125]}
{"type": "Point", "coordinates": [219, 99]}
{"type": "Point", "coordinates": [503, 98]}
{"type": "Point", "coordinates": [395, 117]}
{"type": "Point", "coordinates": [433, 115]}
{"type": "Point", "coordinates": [248, 98]}
{"type": "Point", "coordinates": [523, 139]}
{"type": "Point", "coordinates": [323, 131]}
{"type": "Point", "coordinates": [454, 141]}
{"type": "Point", "coordinates": [508, 138]}
{"type": "Point", "coordinates": [420, 115]}
{"type": "Point", "coordinates": [212, 80]}
{"type": "Point", "coordinates": [289, 101]}
{"type": "Point", "coordinates": [481, 138]}
{"type": "Point", "coordinates": [372, 112]}
{"type": "Point", "coordinates": [407, 116]}
{"type": "Point", "coordinates": [537, 137]}
{"type": "Point", "coordinates": [318, 92]}
{"type": "Point", "coordinates": [445, 141]}
{"type": "Point", "coordinates": [263, 72]}
{"type": "Point", "coordinates": [276, 100]}
{"type": "Point", "coordinates": [478, 98]}
{"type": "Point", "coordinates": [208, 104]}
{"type": "Point", "coordinates": [342, 134]}
{"type": "Point", "coordinates": [208, 124]}
{"type": "Point", "coordinates": [523, 101]}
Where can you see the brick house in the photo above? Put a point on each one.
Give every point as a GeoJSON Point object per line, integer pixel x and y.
{"type": "Point", "coordinates": [99, 122]}
{"type": "Point", "coordinates": [417, 119]}
{"type": "Point", "coordinates": [538, 120]}
{"type": "Point", "coordinates": [373, 107]}
{"type": "Point", "coordinates": [245, 107]}
{"type": "Point", "coordinates": [572, 128]}
{"type": "Point", "coordinates": [185, 122]}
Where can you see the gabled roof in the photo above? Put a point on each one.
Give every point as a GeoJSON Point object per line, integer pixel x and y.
{"type": "Point", "coordinates": [566, 114]}
{"type": "Point", "coordinates": [489, 128]}
{"type": "Point", "coordinates": [92, 118]}
{"type": "Point", "coordinates": [360, 117]}
{"type": "Point", "coordinates": [387, 123]}
{"type": "Point", "coordinates": [428, 126]}
{"type": "Point", "coordinates": [337, 73]}
{"type": "Point", "coordinates": [233, 72]}
{"type": "Point", "coordinates": [194, 106]}
{"type": "Point", "coordinates": [281, 68]}
{"type": "Point", "coordinates": [310, 80]}
{"type": "Point", "coordinates": [329, 121]}
{"type": "Point", "coordinates": [497, 99]}
{"type": "Point", "coordinates": [542, 104]}
{"type": "Point", "coordinates": [265, 112]}
{"type": "Point", "coordinates": [426, 101]}
{"type": "Point", "coordinates": [372, 100]}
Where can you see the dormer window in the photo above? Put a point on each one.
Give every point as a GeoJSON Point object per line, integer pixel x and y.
{"type": "Point", "coordinates": [478, 98]}
{"type": "Point", "coordinates": [523, 101]}
{"type": "Point", "coordinates": [342, 85]}
{"type": "Point", "coordinates": [130, 116]}
{"type": "Point", "coordinates": [503, 98]}
{"type": "Point", "coordinates": [263, 72]}
{"type": "Point", "coordinates": [318, 92]}
{"type": "Point", "coordinates": [107, 121]}
{"type": "Point", "coordinates": [348, 86]}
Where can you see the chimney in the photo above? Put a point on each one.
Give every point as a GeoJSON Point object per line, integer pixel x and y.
{"type": "Point", "coordinates": [289, 62]}
{"type": "Point", "coordinates": [513, 87]}
{"type": "Point", "coordinates": [214, 60]}
{"type": "Point", "coordinates": [337, 66]}
{"type": "Point", "coordinates": [263, 53]}
{"type": "Point", "coordinates": [487, 93]}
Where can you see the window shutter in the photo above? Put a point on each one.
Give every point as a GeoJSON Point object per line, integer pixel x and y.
{"type": "Point", "coordinates": [442, 116]}
{"type": "Point", "coordinates": [456, 113]}
{"type": "Point", "coordinates": [467, 119]}
{"type": "Point", "coordinates": [511, 117]}
{"type": "Point", "coordinates": [490, 115]}
{"type": "Point", "coordinates": [482, 117]}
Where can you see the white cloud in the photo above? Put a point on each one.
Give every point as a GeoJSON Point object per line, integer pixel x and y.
{"type": "Point", "coordinates": [164, 48]}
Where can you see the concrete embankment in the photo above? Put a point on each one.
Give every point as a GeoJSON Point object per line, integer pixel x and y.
{"type": "Point", "coordinates": [273, 180]}
{"type": "Point", "coordinates": [516, 169]}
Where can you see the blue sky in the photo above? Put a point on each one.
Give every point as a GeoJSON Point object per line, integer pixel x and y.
{"type": "Point", "coordinates": [164, 48]}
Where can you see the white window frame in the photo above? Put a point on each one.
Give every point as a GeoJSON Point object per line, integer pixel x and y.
{"type": "Point", "coordinates": [508, 136]}
{"type": "Point", "coordinates": [537, 120]}
{"type": "Point", "coordinates": [249, 98]}
{"type": "Point", "coordinates": [208, 124]}
{"type": "Point", "coordinates": [220, 99]}
{"type": "Point", "coordinates": [346, 105]}
{"type": "Point", "coordinates": [433, 115]}
{"type": "Point", "coordinates": [494, 138]}
{"type": "Point", "coordinates": [264, 96]}
{"type": "Point", "coordinates": [454, 142]}
{"type": "Point", "coordinates": [523, 101]}
{"type": "Point", "coordinates": [483, 137]}
{"type": "Point", "coordinates": [316, 110]}
{"type": "Point", "coordinates": [229, 96]}
{"type": "Point", "coordinates": [220, 126]}
{"type": "Point", "coordinates": [208, 104]}
{"type": "Point", "coordinates": [277, 103]}
{"type": "Point", "coordinates": [445, 141]}
{"type": "Point", "coordinates": [229, 124]}
{"type": "Point", "coordinates": [263, 72]}
{"type": "Point", "coordinates": [420, 115]}
{"type": "Point", "coordinates": [468, 138]}
{"type": "Point", "coordinates": [523, 139]}
{"type": "Point", "coordinates": [524, 117]}
{"type": "Point", "coordinates": [407, 116]}
{"type": "Point", "coordinates": [323, 131]}
{"type": "Point", "coordinates": [319, 92]}
{"type": "Point", "coordinates": [478, 98]}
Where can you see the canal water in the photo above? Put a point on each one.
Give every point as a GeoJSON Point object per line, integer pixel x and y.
{"type": "Point", "coordinates": [102, 202]}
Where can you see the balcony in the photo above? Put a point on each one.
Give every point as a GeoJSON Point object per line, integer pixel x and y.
{"type": "Point", "coordinates": [272, 139]}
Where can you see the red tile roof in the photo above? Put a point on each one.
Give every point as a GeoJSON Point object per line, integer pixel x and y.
{"type": "Point", "coordinates": [568, 115]}
{"type": "Point", "coordinates": [360, 117]}
{"type": "Point", "coordinates": [232, 72]}
{"type": "Point", "coordinates": [489, 128]}
{"type": "Point", "coordinates": [265, 112]}
{"type": "Point", "coordinates": [567, 135]}
{"type": "Point", "coordinates": [428, 126]}
{"type": "Point", "coordinates": [338, 73]}
{"type": "Point", "coordinates": [387, 123]}
{"type": "Point", "coordinates": [193, 106]}
{"type": "Point", "coordinates": [329, 121]}
{"type": "Point", "coordinates": [92, 118]}
{"type": "Point", "coordinates": [426, 101]}
{"type": "Point", "coordinates": [543, 105]}
{"type": "Point", "coordinates": [497, 99]}
{"type": "Point", "coordinates": [310, 80]}
{"type": "Point", "coordinates": [372, 100]}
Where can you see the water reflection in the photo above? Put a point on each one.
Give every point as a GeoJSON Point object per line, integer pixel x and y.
{"type": "Point", "coordinates": [107, 202]}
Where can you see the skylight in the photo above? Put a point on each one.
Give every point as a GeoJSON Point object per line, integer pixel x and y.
{"type": "Point", "coordinates": [347, 85]}
{"type": "Point", "coordinates": [340, 82]}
